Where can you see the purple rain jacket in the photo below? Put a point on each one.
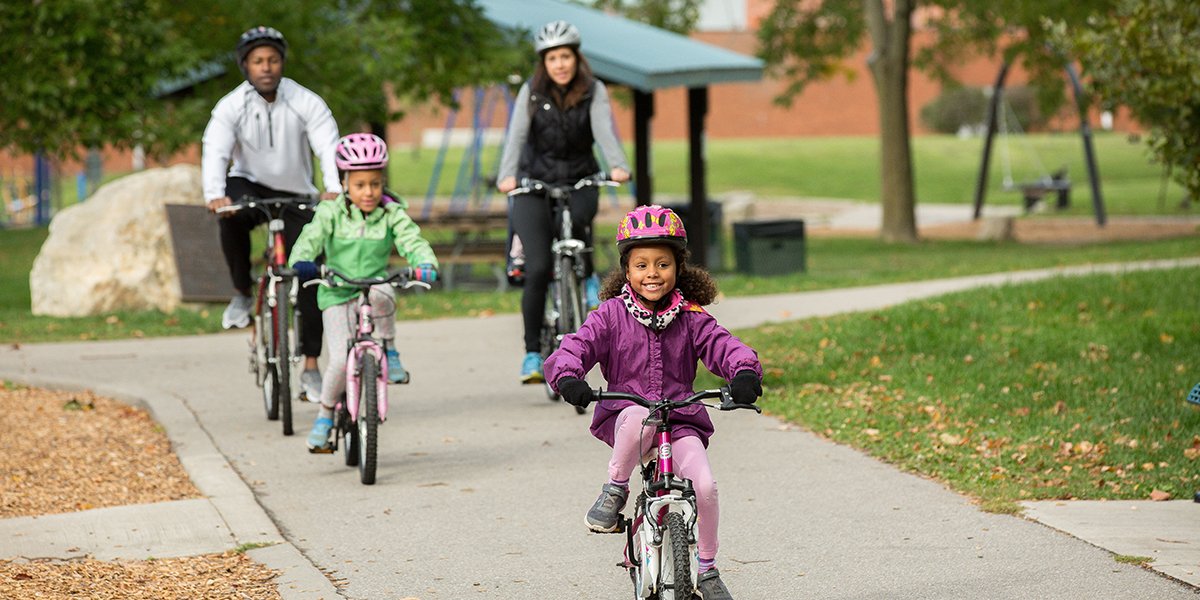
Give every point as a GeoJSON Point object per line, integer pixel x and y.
{"type": "Point", "coordinates": [635, 359]}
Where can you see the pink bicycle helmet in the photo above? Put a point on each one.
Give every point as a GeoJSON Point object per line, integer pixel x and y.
{"type": "Point", "coordinates": [651, 225]}
{"type": "Point", "coordinates": [361, 152]}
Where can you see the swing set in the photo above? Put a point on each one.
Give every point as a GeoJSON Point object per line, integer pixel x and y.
{"type": "Point", "coordinates": [1033, 191]}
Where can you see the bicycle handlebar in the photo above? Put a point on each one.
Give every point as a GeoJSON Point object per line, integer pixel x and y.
{"type": "Point", "coordinates": [298, 202]}
{"type": "Point", "coordinates": [402, 278]}
{"type": "Point", "coordinates": [723, 393]}
{"type": "Point", "coordinates": [529, 185]}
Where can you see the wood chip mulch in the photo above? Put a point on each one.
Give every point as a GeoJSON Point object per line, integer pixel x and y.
{"type": "Point", "coordinates": [70, 451]}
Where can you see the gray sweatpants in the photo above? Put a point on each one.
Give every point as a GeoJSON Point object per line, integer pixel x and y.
{"type": "Point", "coordinates": [340, 329]}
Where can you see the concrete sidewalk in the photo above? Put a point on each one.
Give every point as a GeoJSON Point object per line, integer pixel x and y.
{"type": "Point", "coordinates": [235, 510]}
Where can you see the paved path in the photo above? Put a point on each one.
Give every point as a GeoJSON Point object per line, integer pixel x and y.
{"type": "Point", "coordinates": [483, 485]}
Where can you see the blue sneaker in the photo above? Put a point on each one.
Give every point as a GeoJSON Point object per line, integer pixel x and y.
{"type": "Point", "coordinates": [531, 368]}
{"type": "Point", "coordinates": [318, 438]}
{"type": "Point", "coordinates": [591, 291]}
{"type": "Point", "coordinates": [396, 371]}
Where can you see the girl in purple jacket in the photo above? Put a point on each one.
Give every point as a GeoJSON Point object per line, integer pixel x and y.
{"type": "Point", "coordinates": [647, 336]}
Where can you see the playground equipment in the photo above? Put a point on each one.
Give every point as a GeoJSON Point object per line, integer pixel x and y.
{"type": "Point", "coordinates": [1056, 182]}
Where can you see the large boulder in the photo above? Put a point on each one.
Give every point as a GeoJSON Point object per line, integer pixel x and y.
{"type": "Point", "coordinates": [113, 251]}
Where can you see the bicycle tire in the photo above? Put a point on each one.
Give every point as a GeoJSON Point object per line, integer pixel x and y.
{"type": "Point", "coordinates": [568, 300]}
{"type": "Point", "coordinates": [349, 435]}
{"type": "Point", "coordinates": [283, 353]}
{"type": "Point", "coordinates": [548, 337]}
{"type": "Point", "coordinates": [676, 561]}
{"type": "Point", "coordinates": [368, 420]}
{"type": "Point", "coordinates": [263, 350]}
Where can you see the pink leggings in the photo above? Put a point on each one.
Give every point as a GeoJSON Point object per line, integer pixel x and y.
{"type": "Point", "coordinates": [691, 461]}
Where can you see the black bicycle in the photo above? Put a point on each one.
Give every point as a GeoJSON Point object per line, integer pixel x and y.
{"type": "Point", "coordinates": [276, 328]}
{"type": "Point", "coordinates": [566, 301]}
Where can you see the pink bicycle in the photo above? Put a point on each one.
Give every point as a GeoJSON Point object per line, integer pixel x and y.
{"type": "Point", "coordinates": [660, 539]}
{"type": "Point", "coordinates": [365, 403]}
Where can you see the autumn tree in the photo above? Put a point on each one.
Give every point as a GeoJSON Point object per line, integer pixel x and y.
{"type": "Point", "coordinates": [82, 73]}
{"type": "Point", "coordinates": [809, 40]}
{"type": "Point", "coordinates": [1146, 56]}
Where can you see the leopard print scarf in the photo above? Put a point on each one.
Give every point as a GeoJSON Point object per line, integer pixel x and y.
{"type": "Point", "coordinates": [656, 321]}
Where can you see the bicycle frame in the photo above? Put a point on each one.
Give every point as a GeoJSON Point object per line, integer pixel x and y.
{"type": "Point", "coordinates": [663, 493]}
{"type": "Point", "coordinates": [362, 346]}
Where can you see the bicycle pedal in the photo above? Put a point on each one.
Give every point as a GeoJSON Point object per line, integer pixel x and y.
{"type": "Point", "coordinates": [325, 450]}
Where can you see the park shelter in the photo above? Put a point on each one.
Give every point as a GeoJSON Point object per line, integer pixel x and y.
{"type": "Point", "coordinates": [644, 59]}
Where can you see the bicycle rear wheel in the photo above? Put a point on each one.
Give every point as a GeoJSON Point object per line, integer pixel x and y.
{"type": "Point", "coordinates": [263, 351]}
{"type": "Point", "coordinates": [569, 317]}
{"type": "Point", "coordinates": [368, 419]}
{"type": "Point", "coordinates": [675, 574]}
{"type": "Point", "coordinates": [282, 316]}
{"type": "Point", "coordinates": [348, 431]}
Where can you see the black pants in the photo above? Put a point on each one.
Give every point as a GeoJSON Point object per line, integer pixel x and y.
{"type": "Point", "coordinates": [235, 244]}
{"type": "Point", "coordinates": [533, 220]}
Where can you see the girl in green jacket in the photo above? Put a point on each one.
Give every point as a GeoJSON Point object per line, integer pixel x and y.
{"type": "Point", "coordinates": [356, 232]}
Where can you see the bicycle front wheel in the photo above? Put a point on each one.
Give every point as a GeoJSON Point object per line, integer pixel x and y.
{"type": "Point", "coordinates": [282, 316]}
{"type": "Point", "coordinates": [675, 575]}
{"type": "Point", "coordinates": [368, 419]}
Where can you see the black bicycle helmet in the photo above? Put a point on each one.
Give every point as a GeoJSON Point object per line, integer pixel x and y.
{"type": "Point", "coordinates": [555, 34]}
{"type": "Point", "coordinates": [260, 36]}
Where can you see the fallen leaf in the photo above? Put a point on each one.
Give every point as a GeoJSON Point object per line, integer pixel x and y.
{"type": "Point", "coordinates": [1159, 495]}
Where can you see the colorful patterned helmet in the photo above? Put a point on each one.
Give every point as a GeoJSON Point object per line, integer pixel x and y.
{"type": "Point", "coordinates": [555, 34]}
{"type": "Point", "coordinates": [361, 152]}
{"type": "Point", "coordinates": [651, 225]}
{"type": "Point", "coordinates": [260, 36]}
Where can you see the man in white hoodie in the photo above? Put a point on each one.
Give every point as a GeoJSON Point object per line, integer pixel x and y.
{"type": "Point", "coordinates": [259, 143]}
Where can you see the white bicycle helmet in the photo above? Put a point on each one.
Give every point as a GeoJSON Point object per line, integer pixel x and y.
{"type": "Point", "coordinates": [555, 34]}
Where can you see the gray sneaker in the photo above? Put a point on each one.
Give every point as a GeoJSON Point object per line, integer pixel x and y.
{"type": "Point", "coordinates": [310, 382]}
{"type": "Point", "coordinates": [711, 587]}
{"type": "Point", "coordinates": [237, 314]}
{"type": "Point", "coordinates": [605, 514]}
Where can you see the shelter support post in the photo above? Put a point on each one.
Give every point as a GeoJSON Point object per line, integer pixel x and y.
{"type": "Point", "coordinates": [698, 233]}
{"type": "Point", "coordinates": [643, 112]}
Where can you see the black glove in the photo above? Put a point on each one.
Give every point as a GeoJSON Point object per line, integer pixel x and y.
{"type": "Point", "coordinates": [745, 387]}
{"type": "Point", "coordinates": [575, 391]}
{"type": "Point", "coordinates": [305, 270]}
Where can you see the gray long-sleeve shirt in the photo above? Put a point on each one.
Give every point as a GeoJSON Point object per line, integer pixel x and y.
{"type": "Point", "coordinates": [602, 130]}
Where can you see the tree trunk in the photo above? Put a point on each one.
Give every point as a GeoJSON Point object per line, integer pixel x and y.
{"type": "Point", "coordinates": [889, 62]}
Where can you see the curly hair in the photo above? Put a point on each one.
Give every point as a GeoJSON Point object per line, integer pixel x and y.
{"type": "Point", "coordinates": [696, 284]}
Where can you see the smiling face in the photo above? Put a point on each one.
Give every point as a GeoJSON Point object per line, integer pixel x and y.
{"type": "Point", "coordinates": [365, 188]}
{"type": "Point", "coordinates": [560, 64]}
{"type": "Point", "coordinates": [264, 68]}
{"type": "Point", "coordinates": [651, 271]}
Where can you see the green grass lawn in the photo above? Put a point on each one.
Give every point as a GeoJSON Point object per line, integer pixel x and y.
{"type": "Point", "coordinates": [945, 168]}
{"type": "Point", "coordinates": [1066, 388]}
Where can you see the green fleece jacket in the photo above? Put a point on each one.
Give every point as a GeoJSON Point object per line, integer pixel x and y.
{"type": "Point", "coordinates": [359, 245]}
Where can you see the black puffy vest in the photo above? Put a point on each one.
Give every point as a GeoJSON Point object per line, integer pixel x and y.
{"type": "Point", "coordinates": [559, 146]}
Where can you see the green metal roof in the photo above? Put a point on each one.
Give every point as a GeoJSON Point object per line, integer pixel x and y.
{"type": "Point", "coordinates": [627, 52]}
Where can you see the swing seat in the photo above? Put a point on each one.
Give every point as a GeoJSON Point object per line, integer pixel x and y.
{"type": "Point", "coordinates": [1033, 191]}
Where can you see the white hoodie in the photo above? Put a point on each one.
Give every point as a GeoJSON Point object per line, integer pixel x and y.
{"type": "Point", "coordinates": [269, 142]}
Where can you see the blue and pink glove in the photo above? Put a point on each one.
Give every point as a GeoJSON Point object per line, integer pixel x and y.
{"type": "Point", "coordinates": [425, 273]}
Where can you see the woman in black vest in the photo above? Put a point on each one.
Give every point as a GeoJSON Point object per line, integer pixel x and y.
{"type": "Point", "coordinates": [558, 115]}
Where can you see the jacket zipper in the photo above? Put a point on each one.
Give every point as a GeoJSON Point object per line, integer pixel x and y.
{"type": "Point", "coordinates": [270, 127]}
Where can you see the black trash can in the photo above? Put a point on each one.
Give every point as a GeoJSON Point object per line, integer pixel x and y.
{"type": "Point", "coordinates": [769, 247]}
{"type": "Point", "coordinates": [716, 240]}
